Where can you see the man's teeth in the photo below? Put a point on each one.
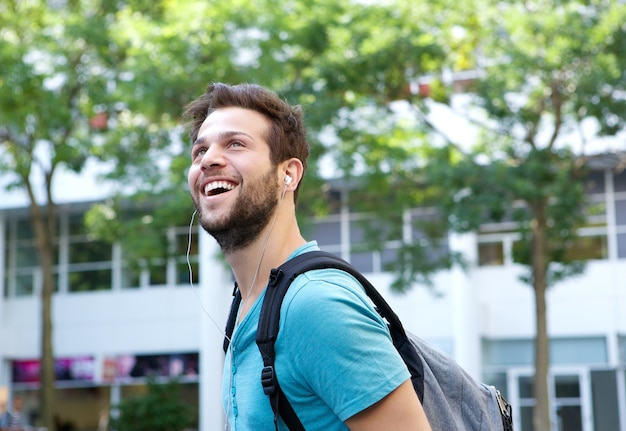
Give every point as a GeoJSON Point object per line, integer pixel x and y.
{"type": "Point", "coordinates": [214, 186]}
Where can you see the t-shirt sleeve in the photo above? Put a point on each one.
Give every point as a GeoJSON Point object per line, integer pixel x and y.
{"type": "Point", "coordinates": [341, 348]}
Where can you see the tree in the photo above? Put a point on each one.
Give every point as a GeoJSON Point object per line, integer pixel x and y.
{"type": "Point", "coordinates": [558, 65]}
{"type": "Point", "coordinates": [543, 71]}
{"type": "Point", "coordinates": [62, 67]}
{"type": "Point", "coordinates": [314, 53]}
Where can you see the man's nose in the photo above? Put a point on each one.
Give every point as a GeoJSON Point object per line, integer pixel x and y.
{"type": "Point", "coordinates": [213, 156]}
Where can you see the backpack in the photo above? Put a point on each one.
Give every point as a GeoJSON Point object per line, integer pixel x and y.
{"type": "Point", "coordinates": [452, 399]}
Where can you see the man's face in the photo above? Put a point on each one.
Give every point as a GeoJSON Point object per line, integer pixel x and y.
{"type": "Point", "coordinates": [234, 187]}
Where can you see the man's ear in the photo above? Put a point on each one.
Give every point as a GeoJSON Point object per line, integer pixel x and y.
{"type": "Point", "coordinates": [293, 172]}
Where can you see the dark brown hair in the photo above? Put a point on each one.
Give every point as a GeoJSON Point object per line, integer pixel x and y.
{"type": "Point", "coordinates": [287, 135]}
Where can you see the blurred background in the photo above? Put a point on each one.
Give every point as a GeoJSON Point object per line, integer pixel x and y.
{"type": "Point", "coordinates": [468, 157]}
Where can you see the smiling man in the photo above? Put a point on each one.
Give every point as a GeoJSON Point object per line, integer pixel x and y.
{"type": "Point", "coordinates": [334, 357]}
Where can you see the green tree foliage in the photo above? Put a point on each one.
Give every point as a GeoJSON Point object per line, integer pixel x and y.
{"type": "Point", "coordinates": [328, 56]}
{"type": "Point", "coordinates": [64, 103]}
{"type": "Point", "coordinates": [100, 81]}
{"type": "Point", "coordinates": [160, 409]}
{"type": "Point", "coordinates": [552, 67]}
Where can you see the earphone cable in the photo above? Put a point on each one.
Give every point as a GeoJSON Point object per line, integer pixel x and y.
{"type": "Point", "coordinates": [189, 267]}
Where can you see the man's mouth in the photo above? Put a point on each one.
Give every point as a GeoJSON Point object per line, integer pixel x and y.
{"type": "Point", "coordinates": [218, 187]}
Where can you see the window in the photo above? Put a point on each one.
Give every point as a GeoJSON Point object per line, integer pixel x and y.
{"type": "Point", "coordinates": [21, 258]}
{"type": "Point", "coordinates": [526, 402]}
{"type": "Point", "coordinates": [89, 262]}
{"type": "Point", "coordinates": [568, 402]}
{"type": "Point", "coordinates": [605, 398]}
{"type": "Point", "coordinates": [588, 248]}
{"type": "Point", "coordinates": [90, 280]}
{"type": "Point", "coordinates": [563, 351]}
{"type": "Point", "coordinates": [490, 253]}
{"type": "Point", "coordinates": [327, 232]}
{"type": "Point", "coordinates": [184, 242]}
{"type": "Point", "coordinates": [621, 245]}
{"type": "Point", "coordinates": [621, 342]}
{"type": "Point", "coordinates": [498, 380]}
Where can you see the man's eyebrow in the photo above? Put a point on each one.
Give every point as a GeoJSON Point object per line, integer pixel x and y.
{"type": "Point", "coordinates": [222, 136]}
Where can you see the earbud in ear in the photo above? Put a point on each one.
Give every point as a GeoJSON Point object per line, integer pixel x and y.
{"type": "Point", "coordinates": [288, 179]}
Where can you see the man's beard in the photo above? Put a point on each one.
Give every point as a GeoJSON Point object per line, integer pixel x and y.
{"type": "Point", "coordinates": [248, 217]}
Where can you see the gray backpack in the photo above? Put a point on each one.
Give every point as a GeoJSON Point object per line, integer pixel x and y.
{"type": "Point", "coordinates": [452, 399]}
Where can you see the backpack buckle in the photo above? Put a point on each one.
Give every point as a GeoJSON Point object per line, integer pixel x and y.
{"type": "Point", "coordinates": [268, 380]}
{"type": "Point", "coordinates": [275, 275]}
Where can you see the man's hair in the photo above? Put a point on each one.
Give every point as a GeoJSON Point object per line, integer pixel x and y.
{"type": "Point", "coordinates": [287, 134]}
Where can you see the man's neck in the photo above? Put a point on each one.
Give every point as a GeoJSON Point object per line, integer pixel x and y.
{"type": "Point", "coordinates": [252, 265]}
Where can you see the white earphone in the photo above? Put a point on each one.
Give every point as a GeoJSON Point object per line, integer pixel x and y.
{"type": "Point", "coordinates": [288, 179]}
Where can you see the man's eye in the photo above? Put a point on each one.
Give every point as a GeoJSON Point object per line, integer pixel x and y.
{"type": "Point", "coordinates": [199, 152]}
{"type": "Point", "coordinates": [236, 144]}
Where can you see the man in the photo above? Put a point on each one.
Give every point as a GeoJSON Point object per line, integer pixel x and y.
{"type": "Point", "coordinates": [13, 419]}
{"type": "Point", "coordinates": [334, 358]}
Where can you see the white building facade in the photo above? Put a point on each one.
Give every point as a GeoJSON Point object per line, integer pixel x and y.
{"type": "Point", "coordinates": [114, 325]}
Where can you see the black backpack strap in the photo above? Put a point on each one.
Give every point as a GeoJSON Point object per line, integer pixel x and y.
{"type": "Point", "coordinates": [232, 317]}
{"type": "Point", "coordinates": [267, 332]}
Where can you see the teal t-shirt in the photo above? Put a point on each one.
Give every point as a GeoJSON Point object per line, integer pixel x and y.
{"type": "Point", "coordinates": [334, 356]}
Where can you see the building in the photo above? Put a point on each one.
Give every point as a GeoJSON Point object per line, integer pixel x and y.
{"type": "Point", "coordinates": [114, 325]}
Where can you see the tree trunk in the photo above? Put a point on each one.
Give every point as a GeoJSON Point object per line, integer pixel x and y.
{"type": "Point", "coordinates": [541, 412]}
{"type": "Point", "coordinates": [44, 234]}
{"type": "Point", "coordinates": [47, 390]}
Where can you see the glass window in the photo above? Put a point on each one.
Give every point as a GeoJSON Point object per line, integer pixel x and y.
{"type": "Point", "coordinates": [605, 400]}
{"type": "Point", "coordinates": [490, 253]}
{"type": "Point", "coordinates": [567, 386]}
{"type": "Point", "coordinates": [388, 258]}
{"type": "Point", "coordinates": [568, 402]}
{"type": "Point", "coordinates": [621, 245]}
{"type": "Point", "coordinates": [526, 386]}
{"type": "Point", "coordinates": [620, 212]}
{"type": "Point", "coordinates": [183, 274]}
{"type": "Point", "coordinates": [326, 232]}
{"type": "Point", "coordinates": [563, 351]}
{"type": "Point", "coordinates": [26, 256]}
{"type": "Point", "coordinates": [76, 225]}
{"type": "Point", "coordinates": [621, 342]}
{"type": "Point", "coordinates": [24, 284]}
{"type": "Point", "coordinates": [508, 352]}
{"type": "Point", "coordinates": [183, 241]}
{"type": "Point", "coordinates": [158, 273]}
{"type": "Point", "coordinates": [594, 182]}
{"type": "Point", "coordinates": [131, 278]}
{"type": "Point", "coordinates": [7, 251]}
{"type": "Point", "coordinates": [364, 262]}
{"type": "Point", "coordinates": [371, 232]}
{"type": "Point", "coordinates": [87, 281]}
{"type": "Point", "coordinates": [526, 418]}
{"type": "Point", "coordinates": [620, 182]}
{"type": "Point", "coordinates": [569, 418]}
{"type": "Point", "coordinates": [590, 350]}
{"type": "Point", "coordinates": [526, 402]}
{"type": "Point", "coordinates": [24, 229]}
{"type": "Point", "coordinates": [90, 251]}
{"type": "Point", "coordinates": [588, 247]}
{"type": "Point", "coordinates": [498, 380]}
